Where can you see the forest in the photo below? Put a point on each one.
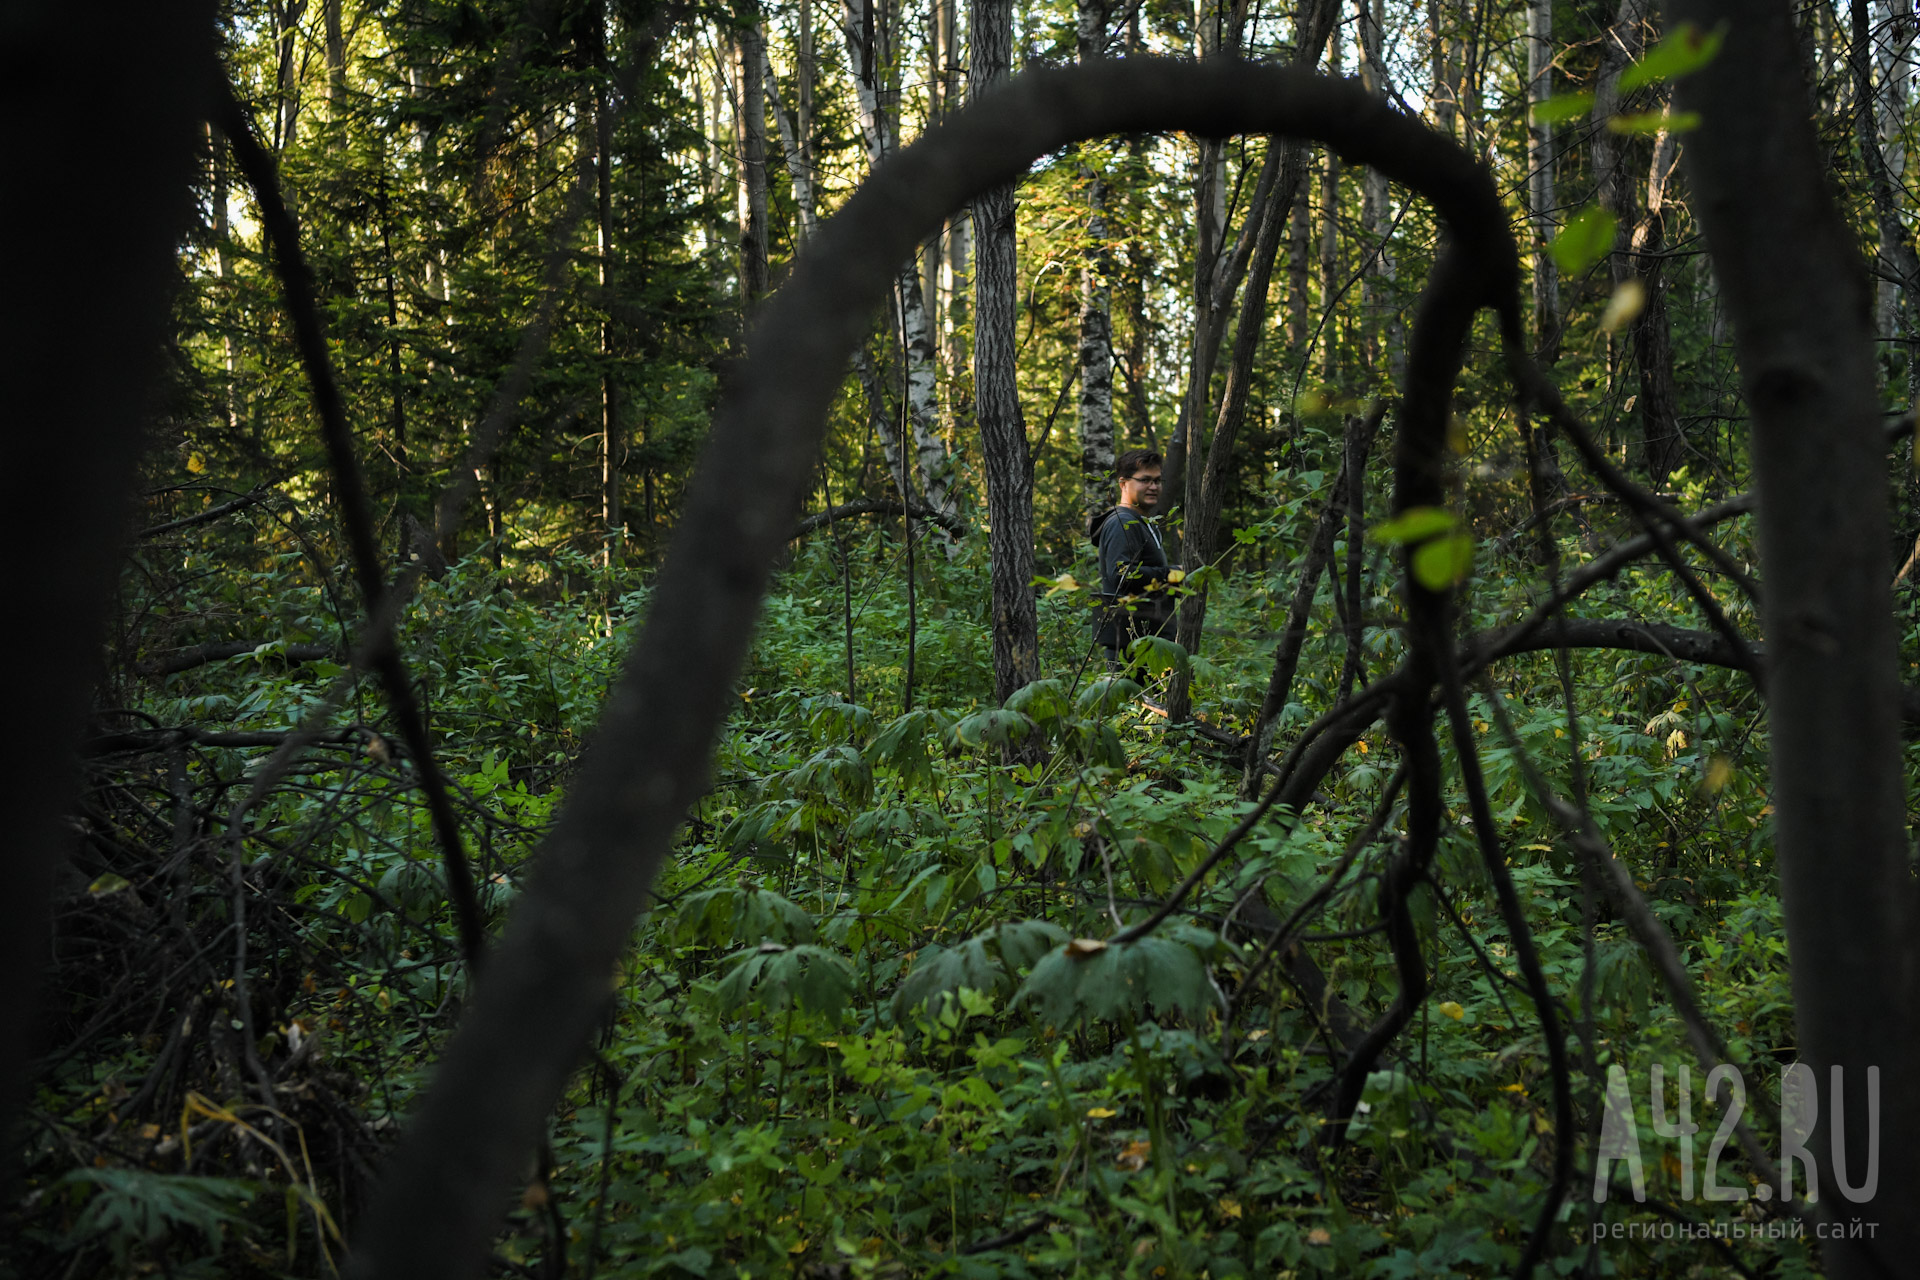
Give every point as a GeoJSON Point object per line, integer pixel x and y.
{"type": "Point", "coordinates": [561, 727]}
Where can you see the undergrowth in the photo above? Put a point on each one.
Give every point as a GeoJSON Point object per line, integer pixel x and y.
{"type": "Point", "coordinates": [874, 1024]}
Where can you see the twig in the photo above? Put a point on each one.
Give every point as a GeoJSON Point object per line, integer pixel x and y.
{"type": "Point", "coordinates": [247, 499]}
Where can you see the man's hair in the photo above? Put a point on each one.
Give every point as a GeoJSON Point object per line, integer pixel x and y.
{"type": "Point", "coordinates": [1132, 460]}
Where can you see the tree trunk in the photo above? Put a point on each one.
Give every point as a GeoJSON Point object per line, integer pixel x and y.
{"type": "Point", "coordinates": [81, 334]}
{"type": "Point", "coordinates": [1096, 308]}
{"type": "Point", "coordinates": [1663, 439]}
{"type": "Point", "coordinates": [879, 105]}
{"type": "Point", "coordinates": [750, 61]}
{"type": "Point", "coordinates": [795, 128]}
{"type": "Point", "coordinates": [1299, 277]}
{"type": "Point", "coordinates": [1003, 438]}
{"type": "Point", "coordinates": [1897, 253]}
{"type": "Point", "coordinates": [336, 61]}
{"type": "Point", "coordinates": [1182, 482]}
{"type": "Point", "coordinates": [1540, 191]}
{"type": "Point", "coordinates": [612, 443]}
{"type": "Point", "coordinates": [1330, 245]}
{"type": "Point", "coordinates": [1790, 273]}
{"type": "Point", "coordinates": [1283, 173]}
{"type": "Point", "coordinates": [1890, 56]}
{"type": "Point", "coordinates": [1385, 336]}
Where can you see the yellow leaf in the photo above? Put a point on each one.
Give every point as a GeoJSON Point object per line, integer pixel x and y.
{"type": "Point", "coordinates": [1719, 773]}
{"type": "Point", "coordinates": [1319, 1235]}
{"type": "Point", "coordinates": [109, 883]}
{"type": "Point", "coordinates": [1514, 1088]}
{"type": "Point", "coordinates": [1229, 1207]}
{"type": "Point", "coordinates": [1627, 302]}
{"type": "Point", "coordinates": [799, 1246]}
{"type": "Point", "coordinates": [1452, 1009]}
{"type": "Point", "coordinates": [196, 463]}
{"type": "Point", "coordinates": [1081, 948]}
{"type": "Point", "coordinates": [1101, 1113]}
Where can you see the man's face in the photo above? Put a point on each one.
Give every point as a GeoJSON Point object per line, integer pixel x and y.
{"type": "Point", "coordinates": [1141, 490]}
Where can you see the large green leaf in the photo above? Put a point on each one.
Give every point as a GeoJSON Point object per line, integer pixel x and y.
{"type": "Point", "coordinates": [813, 978]}
{"type": "Point", "coordinates": [1686, 50]}
{"type": "Point", "coordinates": [740, 914]}
{"type": "Point", "coordinates": [1101, 980]}
{"type": "Point", "coordinates": [989, 962]}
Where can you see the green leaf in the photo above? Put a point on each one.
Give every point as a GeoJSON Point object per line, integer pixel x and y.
{"type": "Point", "coordinates": [989, 963]}
{"type": "Point", "coordinates": [1685, 51]}
{"type": "Point", "coordinates": [811, 977]}
{"type": "Point", "coordinates": [717, 917]}
{"type": "Point", "coordinates": [1652, 122]}
{"type": "Point", "coordinates": [1106, 695]}
{"type": "Point", "coordinates": [996, 726]}
{"type": "Point", "coordinates": [1415, 524]}
{"type": "Point", "coordinates": [1561, 107]}
{"type": "Point", "coordinates": [1043, 701]}
{"type": "Point", "coordinates": [1157, 654]}
{"type": "Point", "coordinates": [1584, 241]}
{"type": "Point", "coordinates": [1443, 562]}
{"type": "Point", "coordinates": [1101, 980]}
{"type": "Point", "coordinates": [125, 1207]}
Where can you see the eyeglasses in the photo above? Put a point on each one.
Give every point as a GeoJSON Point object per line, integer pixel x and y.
{"type": "Point", "coordinates": [1144, 479]}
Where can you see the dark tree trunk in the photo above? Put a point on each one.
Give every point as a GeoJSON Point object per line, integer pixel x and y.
{"type": "Point", "coordinates": [81, 334]}
{"type": "Point", "coordinates": [1791, 276]}
{"type": "Point", "coordinates": [1003, 437]}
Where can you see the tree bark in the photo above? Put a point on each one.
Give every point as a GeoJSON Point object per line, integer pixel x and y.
{"type": "Point", "coordinates": [1540, 188]}
{"type": "Point", "coordinates": [1663, 439]}
{"type": "Point", "coordinates": [1003, 437]}
{"type": "Point", "coordinates": [879, 104]}
{"type": "Point", "coordinates": [1792, 280]}
{"type": "Point", "coordinates": [612, 442]}
{"type": "Point", "coordinates": [750, 61]}
{"type": "Point", "coordinates": [1096, 307]}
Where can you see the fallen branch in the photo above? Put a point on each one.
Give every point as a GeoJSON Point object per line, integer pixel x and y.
{"type": "Point", "coordinates": [211, 514]}
{"type": "Point", "coordinates": [200, 655]}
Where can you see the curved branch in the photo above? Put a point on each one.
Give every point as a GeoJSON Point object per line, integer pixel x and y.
{"type": "Point", "coordinates": [532, 1020]}
{"type": "Point", "coordinates": [881, 507]}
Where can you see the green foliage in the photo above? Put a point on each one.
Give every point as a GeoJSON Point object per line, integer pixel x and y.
{"type": "Point", "coordinates": [131, 1211]}
{"type": "Point", "coordinates": [1087, 977]}
{"type": "Point", "coordinates": [1586, 240]}
{"type": "Point", "coordinates": [1685, 50]}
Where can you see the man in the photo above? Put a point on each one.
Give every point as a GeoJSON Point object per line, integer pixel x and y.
{"type": "Point", "coordinates": [1134, 574]}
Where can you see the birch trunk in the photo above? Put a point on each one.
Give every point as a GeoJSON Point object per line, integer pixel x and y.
{"type": "Point", "coordinates": [880, 129]}
{"type": "Point", "coordinates": [1540, 192]}
{"type": "Point", "coordinates": [1096, 308]}
{"type": "Point", "coordinates": [612, 443]}
{"type": "Point", "coordinates": [749, 61]}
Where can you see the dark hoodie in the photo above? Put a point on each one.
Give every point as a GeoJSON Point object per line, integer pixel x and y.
{"type": "Point", "coordinates": [1133, 575]}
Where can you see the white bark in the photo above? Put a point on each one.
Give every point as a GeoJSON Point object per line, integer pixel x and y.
{"type": "Point", "coordinates": [880, 130]}
{"type": "Point", "coordinates": [1540, 192]}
